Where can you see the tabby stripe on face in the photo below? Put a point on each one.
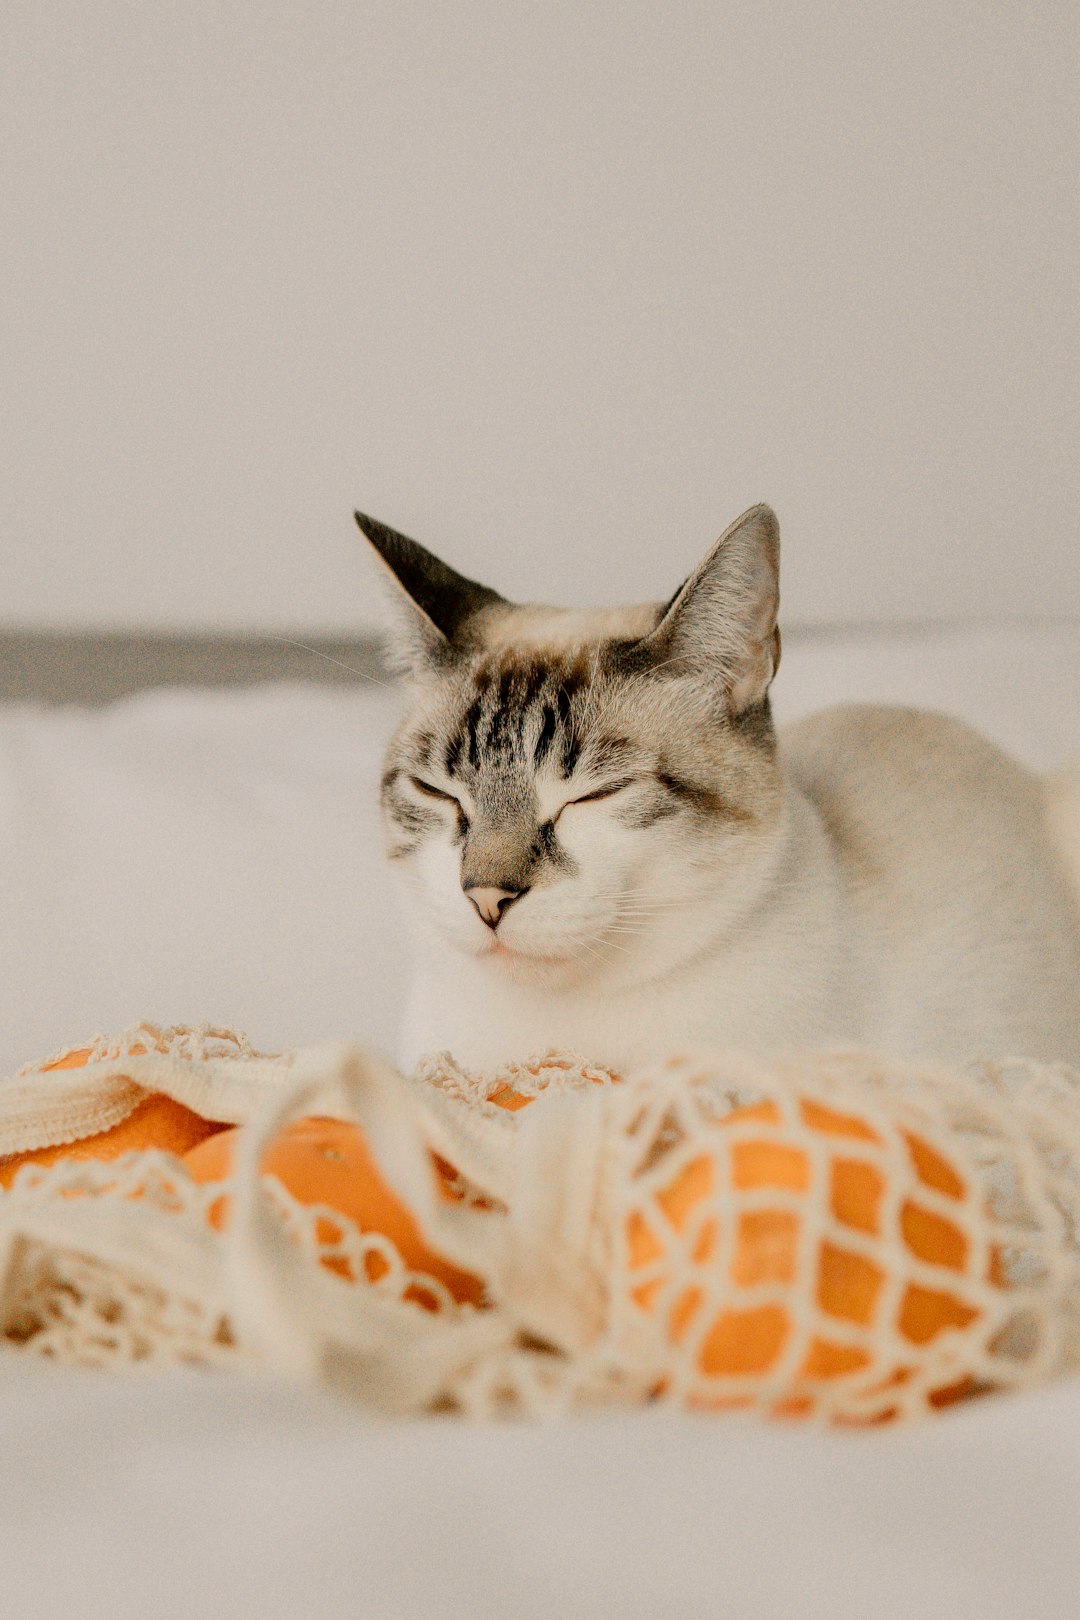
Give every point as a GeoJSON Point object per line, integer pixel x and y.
{"type": "Point", "coordinates": [534, 685]}
{"type": "Point", "coordinates": [703, 800]}
{"type": "Point", "coordinates": [660, 807]}
{"type": "Point", "coordinates": [546, 842]}
{"type": "Point", "coordinates": [544, 741]}
{"type": "Point", "coordinates": [571, 744]}
{"type": "Point", "coordinates": [411, 818]}
{"type": "Point", "coordinates": [499, 724]}
{"type": "Point", "coordinates": [472, 728]}
{"type": "Point", "coordinates": [503, 709]}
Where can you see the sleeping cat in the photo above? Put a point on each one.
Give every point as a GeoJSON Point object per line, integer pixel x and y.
{"type": "Point", "coordinates": [606, 846]}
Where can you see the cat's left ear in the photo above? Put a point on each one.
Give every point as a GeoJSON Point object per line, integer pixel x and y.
{"type": "Point", "coordinates": [433, 605]}
{"type": "Point", "coordinates": [722, 622]}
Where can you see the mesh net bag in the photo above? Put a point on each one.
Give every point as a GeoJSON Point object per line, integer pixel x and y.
{"type": "Point", "coordinates": [825, 1238]}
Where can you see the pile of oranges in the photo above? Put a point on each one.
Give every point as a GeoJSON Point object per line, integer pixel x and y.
{"type": "Point", "coordinates": [327, 1162]}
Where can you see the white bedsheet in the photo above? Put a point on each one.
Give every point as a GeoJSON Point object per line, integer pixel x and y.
{"type": "Point", "coordinates": [190, 856]}
{"type": "Point", "coordinates": [199, 1498]}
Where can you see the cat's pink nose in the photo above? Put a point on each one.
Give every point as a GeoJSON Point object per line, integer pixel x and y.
{"type": "Point", "coordinates": [490, 903]}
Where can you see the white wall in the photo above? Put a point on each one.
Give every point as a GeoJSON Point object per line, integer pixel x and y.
{"type": "Point", "coordinates": [558, 287]}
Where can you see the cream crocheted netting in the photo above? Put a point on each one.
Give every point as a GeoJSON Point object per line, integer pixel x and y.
{"type": "Point", "coordinates": [829, 1237]}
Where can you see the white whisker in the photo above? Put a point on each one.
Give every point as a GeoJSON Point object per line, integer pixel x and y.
{"type": "Point", "coordinates": [363, 673]}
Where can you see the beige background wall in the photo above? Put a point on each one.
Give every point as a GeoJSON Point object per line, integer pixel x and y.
{"type": "Point", "coordinates": [558, 287]}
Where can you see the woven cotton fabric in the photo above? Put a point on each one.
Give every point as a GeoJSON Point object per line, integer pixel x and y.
{"type": "Point", "coordinates": [824, 1238]}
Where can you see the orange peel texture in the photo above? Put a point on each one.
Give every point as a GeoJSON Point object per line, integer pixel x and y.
{"type": "Point", "coordinates": [328, 1162]}
{"type": "Point", "coordinates": [776, 1246]}
{"type": "Point", "coordinates": [157, 1121]}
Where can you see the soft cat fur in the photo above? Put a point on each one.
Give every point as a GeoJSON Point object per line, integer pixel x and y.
{"type": "Point", "coordinates": [607, 848]}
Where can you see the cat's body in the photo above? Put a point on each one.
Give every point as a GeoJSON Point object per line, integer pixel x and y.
{"type": "Point", "coordinates": [935, 928]}
{"type": "Point", "coordinates": [609, 850]}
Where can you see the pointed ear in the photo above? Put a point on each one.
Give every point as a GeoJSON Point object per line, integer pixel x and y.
{"type": "Point", "coordinates": [722, 621]}
{"type": "Point", "coordinates": [432, 604]}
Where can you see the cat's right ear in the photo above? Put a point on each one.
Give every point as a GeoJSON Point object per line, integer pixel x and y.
{"type": "Point", "coordinates": [432, 605]}
{"type": "Point", "coordinates": [722, 620]}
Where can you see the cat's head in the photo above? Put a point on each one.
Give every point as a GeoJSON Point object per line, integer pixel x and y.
{"type": "Point", "coordinates": [570, 788]}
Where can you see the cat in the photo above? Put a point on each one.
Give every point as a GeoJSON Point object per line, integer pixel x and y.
{"type": "Point", "coordinates": [607, 847]}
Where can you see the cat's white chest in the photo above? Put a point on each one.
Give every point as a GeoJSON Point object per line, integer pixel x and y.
{"type": "Point", "coordinates": [486, 1025]}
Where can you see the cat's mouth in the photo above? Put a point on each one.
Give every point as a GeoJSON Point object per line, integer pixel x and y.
{"type": "Point", "coordinates": [499, 950]}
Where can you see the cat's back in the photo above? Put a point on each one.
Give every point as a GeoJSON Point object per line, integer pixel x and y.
{"type": "Point", "coordinates": [868, 767]}
{"type": "Point", "coordinates": [942, 843]}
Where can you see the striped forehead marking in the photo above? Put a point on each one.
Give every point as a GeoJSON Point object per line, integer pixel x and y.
{"type": "Point", "coordinates": [509, 699]}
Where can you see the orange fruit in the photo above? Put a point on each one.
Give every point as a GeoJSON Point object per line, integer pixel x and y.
{"type": "Point", "coordinates": [327, 1161]}
{"type": "Point", "coordinates": [766, 1246]}
{"type": "Point", "coordinates": [508, 1097]}
{"type": "Point", "coordinates": [156, 1122]}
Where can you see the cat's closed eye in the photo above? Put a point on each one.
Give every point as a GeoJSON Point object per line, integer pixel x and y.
{"type": "Point", "coordinates": [608, 791]}
{"type": "Point", "coordinates": [432, 791]}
